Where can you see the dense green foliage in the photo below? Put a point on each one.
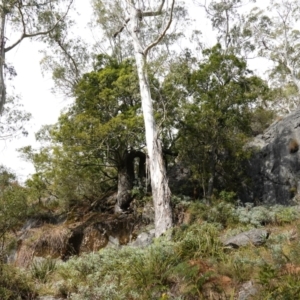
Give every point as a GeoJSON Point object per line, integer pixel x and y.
{"type": "Point", "coordinates": [206, 109]}
{"type": "Point", "coordinates": [217, 119]}
{"type": "Point", "coordinates": [89, 142]}
{"type": "Point", "coordinates": [15, 285]}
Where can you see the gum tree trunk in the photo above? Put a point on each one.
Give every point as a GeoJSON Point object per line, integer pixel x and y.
{"type": "Point", "coordinates": [159, 183]}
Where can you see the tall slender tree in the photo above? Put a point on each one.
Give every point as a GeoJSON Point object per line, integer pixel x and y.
{"type": "Point", "coordinates": [159, 181]}
{"type": "Point", "coordinates": [276, 37]}
{"type": "Point", "coordinates": [228, 21]}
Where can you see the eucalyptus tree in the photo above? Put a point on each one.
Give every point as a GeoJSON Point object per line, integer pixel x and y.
{"type": "Point", "coordinates": [13, 119]}
{"type": "Point", "coordinates": [67, 59]}
{"type": "Point", "coordinates": [277, 38]}
{"type": "Point", "coordinates": [26, 19]}
{"type": "Point", "coordinates": [138, 20]}
{"type": "Point", "coordinates": [228, 20]}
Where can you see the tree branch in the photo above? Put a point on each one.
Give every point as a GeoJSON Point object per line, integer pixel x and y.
{"type": "Point", "coordinates": [154, 13]}
{"type": "Point", "coordinates": [148, 48]}
{"type": "Point", "coordinates": [30, 35]}
{"type": "Point", "coordinates": [142, 14]}
{"type": "Point", "coordinates": [60, 44]}
{"type": "Point", "coordinates": [122, 28]}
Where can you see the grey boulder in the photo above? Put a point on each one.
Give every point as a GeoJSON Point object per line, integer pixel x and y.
{"type": "Point", "coordinates": [254, 237]}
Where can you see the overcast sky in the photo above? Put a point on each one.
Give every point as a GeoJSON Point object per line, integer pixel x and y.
{"type": "Point", "coordinates": [35, 93]}
{"type": "Point", "coordinates": [36, 96]}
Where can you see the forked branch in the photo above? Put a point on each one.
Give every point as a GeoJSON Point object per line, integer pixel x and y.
{"type": "Point", "coordinates": [122, 28]}
{"type": "Point", "coordinates": [142, 14]}
{"type": "Point", "coordinates": [30, 35]}
{"type": "Point", "coordinates": [149, 47]}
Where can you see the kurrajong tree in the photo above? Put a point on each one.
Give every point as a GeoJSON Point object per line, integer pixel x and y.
{"type": "Point", "coordinates": [107, 122]}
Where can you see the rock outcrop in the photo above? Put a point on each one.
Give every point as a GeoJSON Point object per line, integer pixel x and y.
{"type": "Point", "coordinates": [93, 232]}
{"type": "Point", "coordinates": [274, 169]}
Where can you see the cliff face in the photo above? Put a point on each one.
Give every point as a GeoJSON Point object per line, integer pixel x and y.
{"type": "Point", "coordinates": [274, 169]}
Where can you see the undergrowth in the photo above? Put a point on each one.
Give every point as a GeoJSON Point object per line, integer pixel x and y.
{"type": "Point", "coordinates": [193, 264]}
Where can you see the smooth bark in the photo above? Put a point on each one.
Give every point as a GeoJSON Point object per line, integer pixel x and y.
{"type": "Point", "coordinates": [159, 182]}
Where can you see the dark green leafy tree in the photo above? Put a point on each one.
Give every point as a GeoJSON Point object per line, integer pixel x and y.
{"type": "Point", "coordinates": [96, 141]}
{"type": "Point", "coordinates": [218, 116]}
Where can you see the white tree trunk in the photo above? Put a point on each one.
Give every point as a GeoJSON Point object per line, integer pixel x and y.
{"type": "Point", "coordinates": [159, 182]}
{"type": "Point", "coordinates": [2, 55]}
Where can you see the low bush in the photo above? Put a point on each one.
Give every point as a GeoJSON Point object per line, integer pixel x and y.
{"type": "Point", "coordinates": [15, 285]}
{"type": "Point", "coordinates": [220, 212]}
{"type": "Point", "coordinates": [194, 264]}
{"type": "Point", "coordinates": [200, 240]}
{"type": "Point", "coordinates": [263, 215]}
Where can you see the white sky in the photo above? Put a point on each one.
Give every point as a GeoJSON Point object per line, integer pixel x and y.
{"type": "Point", "coordinates": [35, 91]}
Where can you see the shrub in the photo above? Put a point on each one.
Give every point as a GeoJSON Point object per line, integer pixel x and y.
{"type": "Point", "coordinates": [15, 285]}
{"type": "Point", "coordinates": [229, 197]}
{"type": "Point", "coordinates": [200, 240]}
{"type": "Point", "coordinates": [221, 212]}
{"type": "Point", "coordinates": [128, 273]}
{"type": "Point", "coordinates": [278, 285]}
{"type": "Point", "coordinates": [261, 215]}
{"type": "Point", "coordinates": [42, 268]}
{"type": "Point", "coordinates": [256, 216]}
